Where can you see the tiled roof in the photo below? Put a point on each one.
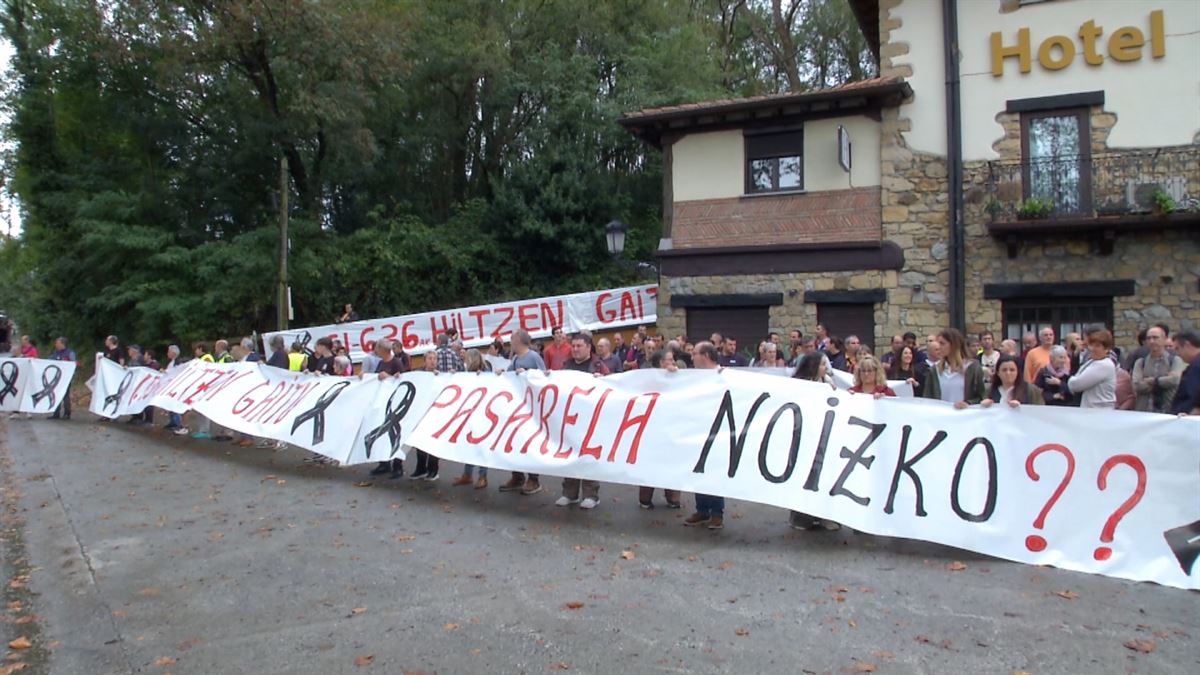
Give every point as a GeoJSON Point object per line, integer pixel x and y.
{"type": "Point", "coordinates": [788, 97]}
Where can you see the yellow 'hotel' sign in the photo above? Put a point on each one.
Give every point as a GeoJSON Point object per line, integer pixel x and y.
{"type": "Point", "coordinates": [1058, 51]}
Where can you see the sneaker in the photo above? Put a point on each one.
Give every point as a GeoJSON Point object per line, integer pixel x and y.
{"type": "Point", "coordinates": [565, 501]}
{"type": "Point", "coordinates": [431, 477]}
{"type": "Point", "coordinates": [181, 431]}
{"type": "Point", "coordinates": [481, 483]}
{"type": "Point", "coordinates": [531, 487]}
{"type": "Point", "coordinates": [462, 480]}
{"type": "Point", "coordinates": [380, 469]}
{"type": "Point", "coordinates": [54, 416]}
{"type": "Point", "coordinates": [830, 525]}
{"type": "Point", "coordinates": [280, 445]}
{"type": "Point", "coordinates": [222, 438]}
{"type": "Point", "coordinates": [589, 503]}
{"type": "Point", "coordinates": [696, 519]}
{"type": "Point", "coordinates": [418, 475]}
{"type": "Point", "coordinates": [799, 521]}
{"type": "Point", "coordinates": [716, 523]}
{"type": "Point", "coordinates": [674, 505]}
{"type": "Point", "coordinates": [512, 485]}
{"type": "Point", "coordinates": [265, 444]}
{"type": "Point", "coordinates": [646, 505]}
{"type": "Point", "coordinates": [201, 435]}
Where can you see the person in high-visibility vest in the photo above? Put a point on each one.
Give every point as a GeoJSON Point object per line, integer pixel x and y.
{"type": "Point", "coordinates": [297, 358]}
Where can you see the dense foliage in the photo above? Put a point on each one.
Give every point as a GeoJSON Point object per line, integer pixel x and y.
{"type": "Point", "coordinates": [437, 153]}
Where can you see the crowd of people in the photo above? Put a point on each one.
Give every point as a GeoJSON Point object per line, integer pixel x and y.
{"type": "Point", "coordinates": [1160, 375]}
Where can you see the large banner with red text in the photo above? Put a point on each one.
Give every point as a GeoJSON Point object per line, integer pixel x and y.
{"type": "Point", "coordinates": [480, 325]}
{"type": "Point", "coordinates": [1099, 491]}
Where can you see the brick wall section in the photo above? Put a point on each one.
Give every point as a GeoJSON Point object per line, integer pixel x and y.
{"type": "Point", "coordinates": [809, 218]}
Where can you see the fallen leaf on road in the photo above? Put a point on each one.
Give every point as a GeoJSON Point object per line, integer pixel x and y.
{"type": "Point", "coordinates": [853, 623]}
{"type": "Point", "coordinates": [405, 537]}
{"type": "Point", "coordinates": [573, 605]}
{"type": "Point", "coordinates": [149, 590]}
{"type": "Point", "coordinates": [267, 477]}
{"type": "Point", "coordinates": [450, 626]}
{"type": "Point", "coordinates": [628, 555]}
{"type": "Point", "coordinates": [956, 566]}
{"type": "Point", "coordinates": [1067, 595]}
{"type": "Point", "coordinates": [364, 660]}
{"type": "Point", "coordinates": [281, 482]}
{"type": "Point", "coordinates": [923, 639]}
{"type": "Point", "coordinates": [120, 614]}
{"type": "Point", "coordinates": [864, 667]}
{"type": "Point", "coordinates": [883, 655]}
{"type": "Point", "coordinates": [20, 643]}
{"type": "Point", "coordinates": [728, 564]}
{"type": "Point", "coordinates": [1143, 646]}
{"type": "Point", "coordinates": [561, 665]}
{"type": "Point", "coordinates": [16, 583]}
{"type": "Point", "coordinates": [692, 558]}
{"type": "Point", "coordinates": [741, 631]}
{"type": "Point", "coordinates": [10, 669]}
{"type": "Point", "coordinates": [164, 661]}
{"type": "Point", "coordinates": [364, 483]}
{"type": "Point", "coordinates": [358, 610]}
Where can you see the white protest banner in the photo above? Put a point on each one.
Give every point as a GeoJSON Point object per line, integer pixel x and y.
{"type": "Point", "coordinates": [841, 379]}
{"type": "Point", "coordinates": [1099, 491]}
{"type": "Point", "coordinates": [34, 385]}
{"type": "Point", "coordinates": [1096, 491]}
{"type": "Point", "coordinates": [323, 414]}
{"type": "Point", "coordinates": [480, 325]}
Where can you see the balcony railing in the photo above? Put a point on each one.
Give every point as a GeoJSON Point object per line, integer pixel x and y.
{"type": "Point", "coordinates": [1129, 185]}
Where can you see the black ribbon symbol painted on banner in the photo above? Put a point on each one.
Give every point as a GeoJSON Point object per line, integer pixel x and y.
{"type": "Point", "coordinates": [1185, 544]}
{"type": "Point", "coordinates": [50, 377]}
{"type": "Point", "coordinates": [317, 412]}
{"type": "Point", "coordinates": [9, 372]}
{"type": "Point", "coordinates": [396, 410]}
{"type": "Point", "coordinates": [115, 399]}
{"type": "Point", "coordinates": [304, 338]}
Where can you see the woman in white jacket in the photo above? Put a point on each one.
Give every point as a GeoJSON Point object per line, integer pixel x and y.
{"type": "Point", "coordinates": [1096, 381]}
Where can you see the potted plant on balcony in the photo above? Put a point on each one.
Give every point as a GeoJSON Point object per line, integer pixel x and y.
{"type": "Point", "coordinates": [992, 207]}
{"type": "Point", "coordinates": [1163, 202]}
{"type": "Point", "coordinates": [1034, 209]}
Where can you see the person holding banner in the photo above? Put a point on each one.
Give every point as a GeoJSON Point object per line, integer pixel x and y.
{"type": "Point", "coordinates": [62, 353]}
{"type": "Point", "coordinates": [813, 368]}
{"type": "Point", "coordinates": [869, 378]}
{"type": "Point", "coordinates": [1009, 387]}
{"type": "Point", "coordinates": [1187, 396]}
{"type": "Point", "coordinates": [427, 464]}
{"type": "Point", "coordinates": [383, 363]}
{"type": "Point", "coordinates": [524, 358]}
{"type": "Point", "coordinates": [664, 359]}
{"type": "Point", "coordinates": [953, 376]}
{"type": "Point", "coordinates": [710, 509]}
{"type": "Point", "coordinates": [475, 364]}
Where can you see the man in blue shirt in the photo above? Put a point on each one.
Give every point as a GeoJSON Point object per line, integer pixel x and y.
{"type": "Point", "coordinates": [63, 353]}
{"type": "Point", "coordinates": [1187, 397]}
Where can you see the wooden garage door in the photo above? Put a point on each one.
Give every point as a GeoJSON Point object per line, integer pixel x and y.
{"type": "Point", "coordinates": [847, 319]}
{"type": "Point", "coordinates": [748, 325]}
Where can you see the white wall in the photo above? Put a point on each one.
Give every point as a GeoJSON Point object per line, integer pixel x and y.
{"type": "Point", "coordinates": [821, 168]}
{"type": "Point", "coordinates": [710, 165]}
{"type": "Point", "coordinates": [921, 28]}
{"type": "Point", "coordinates": [1156, 101]}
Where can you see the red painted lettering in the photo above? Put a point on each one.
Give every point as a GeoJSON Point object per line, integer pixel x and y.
{"type": "Point", "coordinates": [605, 315]}
{"type": "Point", "coordinates": [569, 418]}
{"type": "Point", "coordinates": [492, 417]}
{"type": "Point", "coordinates": [502, 327]}
{"type": "Point", "coordinates": [628, 422]}
{"type": "Point", "coordinates": [593, 450]}
{"type": "Point", "coordinates": [463, 414]}
{"type": "Point", "coordinates": [517, 417]}
{"type": "Point", "coordinates": [238, 408]}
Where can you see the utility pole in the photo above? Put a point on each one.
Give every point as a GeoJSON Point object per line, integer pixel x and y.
{"type": "Point", "coordinates": [282, 311]}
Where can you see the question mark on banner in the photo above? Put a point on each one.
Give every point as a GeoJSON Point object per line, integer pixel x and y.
{"type": "Point", "coordinates": [1110, 525]}
{"type": "Point", "coordinates": [1035, 542]}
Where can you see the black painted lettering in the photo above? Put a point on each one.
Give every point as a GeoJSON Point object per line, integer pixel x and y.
{"type": "Point", "coordinates": [989, 504]}
{"type": "Point", "coordinates": [906, 466]}
{"type": "Point", "coordinates": [793, 447]}
{"type": "Point", "coordinates": [736, 441]}
{"type": "Point", "coordinates": [856, 458]}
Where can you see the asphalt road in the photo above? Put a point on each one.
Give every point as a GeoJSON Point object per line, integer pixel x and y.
{"type": "Point", "coordinates": [139, 552]}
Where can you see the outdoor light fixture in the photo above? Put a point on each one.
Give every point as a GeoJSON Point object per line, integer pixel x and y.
{"type": "Point", "coordinates": [615, 233]}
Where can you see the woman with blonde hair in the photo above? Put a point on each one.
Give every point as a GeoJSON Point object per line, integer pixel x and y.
{"type": "Point", "coordinates": [953, 376]}
{"type": "Point", "coordinates": [870, 379]}
{"type": "Point", "coordinates": [475, 364]}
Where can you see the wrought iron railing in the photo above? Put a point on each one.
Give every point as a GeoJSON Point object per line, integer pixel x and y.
{"type": "Point", "coordinates": [1129, 183]}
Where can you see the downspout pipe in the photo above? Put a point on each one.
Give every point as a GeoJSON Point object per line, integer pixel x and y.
{"type": "Point", "coordinates": [954, 166]}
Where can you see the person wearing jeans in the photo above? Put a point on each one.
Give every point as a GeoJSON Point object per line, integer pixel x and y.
{"type": "Point", "coordinates": [710, 509]}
